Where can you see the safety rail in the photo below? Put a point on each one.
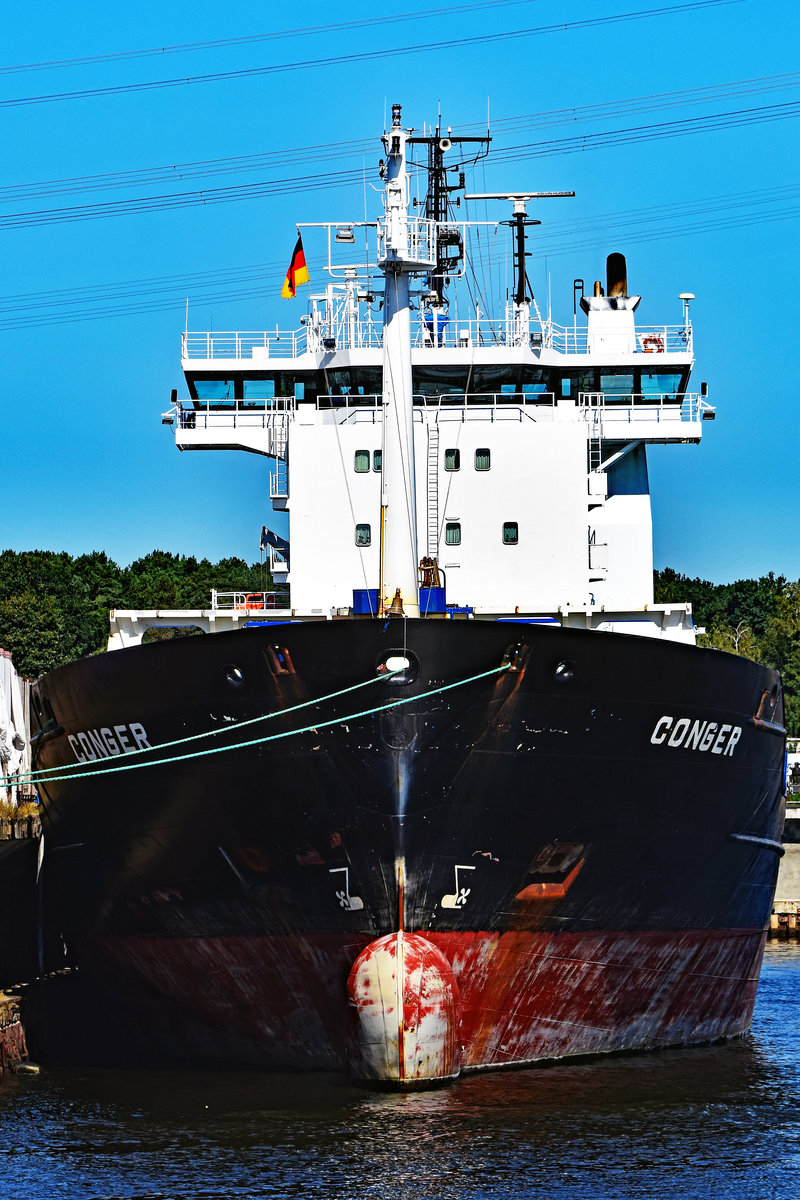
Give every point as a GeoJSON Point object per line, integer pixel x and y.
{"type": "Point", "coordinates": [230, 414]}
{"type": "Point", "coordinates": [433, 331]}
{"type": "Point", "coordinates": [650, 339]}
{"type": "Point", "coordinates": [245, 602]}
{"type": "Point", "coordinates": [209, 345]}
{"type": "Point", "coordinates": [664, 406]}
{"type": "Point", "coordinates": [262, 414]}
{"type": "Point", "coordinates": [418, 243]}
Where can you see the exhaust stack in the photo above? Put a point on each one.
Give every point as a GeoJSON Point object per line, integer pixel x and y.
{"type": "Point", "coordinates": [616, 275]}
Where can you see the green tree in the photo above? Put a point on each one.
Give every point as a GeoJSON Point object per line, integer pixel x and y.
{"type": "Point", "coordinates": [33, 629]}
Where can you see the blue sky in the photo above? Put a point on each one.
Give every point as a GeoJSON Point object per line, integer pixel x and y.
{"type": "Point", "coordinates": [711, 208]}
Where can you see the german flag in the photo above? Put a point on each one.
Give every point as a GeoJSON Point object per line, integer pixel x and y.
{"type": "Point", "coordinates": [297, 273]}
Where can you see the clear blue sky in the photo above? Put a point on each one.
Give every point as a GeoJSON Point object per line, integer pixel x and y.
{"type": "Point", "coordinates": [711, 209]}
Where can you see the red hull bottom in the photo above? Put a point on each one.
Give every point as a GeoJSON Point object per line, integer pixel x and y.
{"type": "Point", "coordinates": [492, 999]}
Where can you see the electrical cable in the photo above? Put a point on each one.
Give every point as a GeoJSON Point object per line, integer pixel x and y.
{"type": "Point", "coordinates": [344, 60]}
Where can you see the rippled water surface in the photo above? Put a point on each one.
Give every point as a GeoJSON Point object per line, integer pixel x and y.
{"type": "Point", "coordinates": [715, 1122]}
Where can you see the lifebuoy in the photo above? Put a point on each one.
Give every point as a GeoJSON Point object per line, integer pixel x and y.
{"type": "Point", "coordinates": [653, 344]}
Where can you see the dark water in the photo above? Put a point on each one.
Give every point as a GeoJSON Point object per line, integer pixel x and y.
{"type": "Point", "coordinates": [715, 1122]}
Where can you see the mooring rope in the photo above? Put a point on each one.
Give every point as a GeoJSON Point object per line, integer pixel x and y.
{"type": "Point", "coordinates": [274, 737]}
{"type": "Point", "coordinates": [45, 772]}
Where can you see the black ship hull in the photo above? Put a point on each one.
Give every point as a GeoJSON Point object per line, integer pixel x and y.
{"type": "Point", "coordinates": [560, 842]}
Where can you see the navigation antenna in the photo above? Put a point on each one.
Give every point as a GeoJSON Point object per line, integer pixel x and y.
{"type": "Point", "coordinates": [520, 221]}
{"type": "Point", "coordinates": [449, 245]}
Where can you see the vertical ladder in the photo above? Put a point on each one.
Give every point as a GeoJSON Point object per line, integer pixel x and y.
{"type": "Point", "coordinates": [595, 440]}
{"type": "Point", "coordinates": [433, 490]}
{"type": "Point", "coordinates": [279, 436]}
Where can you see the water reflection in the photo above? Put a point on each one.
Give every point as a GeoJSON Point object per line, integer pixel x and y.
{"type": "Point", "coordinates": [719, 1121]}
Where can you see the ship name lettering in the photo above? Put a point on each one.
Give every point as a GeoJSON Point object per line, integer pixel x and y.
{"type": "Point", "coordinates": [696, 735]}
{"type": "Point", "coordinates": [92, 744]}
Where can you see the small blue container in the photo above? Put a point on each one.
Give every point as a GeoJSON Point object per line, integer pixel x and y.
{"type": "Point", "coordinates": [431, 600]}
{"type": "Point", "coordinates": [365, 602]}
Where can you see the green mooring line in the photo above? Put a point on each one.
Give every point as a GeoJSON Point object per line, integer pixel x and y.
{"type": "Point", "coordinates": [274, 737]}
{"type": "Point", "coordinates": [46, 772]}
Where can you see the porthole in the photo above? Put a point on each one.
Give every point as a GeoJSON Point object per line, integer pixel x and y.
{"type": "Point", "coordinates": [234, 675]}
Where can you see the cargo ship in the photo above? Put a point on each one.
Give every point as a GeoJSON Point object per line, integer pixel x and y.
{"type": "Point", "coordinates": [454, 793]}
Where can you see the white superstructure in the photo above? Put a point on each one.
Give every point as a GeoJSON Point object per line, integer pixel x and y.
{"type": "Point", "coordinates": [515, 479]}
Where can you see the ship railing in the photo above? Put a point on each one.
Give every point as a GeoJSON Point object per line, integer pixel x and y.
{"type": "Point", "coordinates": [345, 334]}
{"type": "Point", "coordinates": [648, 406]}
{"type": "Point", "coordinates": [649, 339]}
{"type": "Point", "coordinates": [418, 243]}
{"type": "Point", "coordinates": [440, 331]}
{"type": "Point", "coordinates": [536, 405]}
{"type": "Point", "coordinates": [232, 414]}
{"type": "Point", "coordinates": [249, 602]}
{"type": "Point", "coordinates": [345, 330]}
{"type": "Point", "coordinates": [244, 345]}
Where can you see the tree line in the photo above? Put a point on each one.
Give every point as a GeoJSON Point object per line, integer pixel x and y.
{"type": "Point", "coordinates": [757, 618]}
{"type": "Point", "coordinates": [54, 608]}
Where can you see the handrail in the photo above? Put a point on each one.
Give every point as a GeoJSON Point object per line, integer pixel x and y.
{"type": "Point", "coordinates": [249, 601]}
{"type": "Point", "coordinates": [342, 331]}
{"type": "Point", "coordinates": [249, 414]}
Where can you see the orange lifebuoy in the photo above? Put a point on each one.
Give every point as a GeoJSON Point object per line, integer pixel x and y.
{"type": "Point", "coordinates": [653, 344]}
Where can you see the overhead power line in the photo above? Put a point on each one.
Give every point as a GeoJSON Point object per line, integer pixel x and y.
{"type": "Point", "coordinates": [340, 60]}
{"type": "Point", "coordinates": [353, 149]}
{"type": "Point", "coordinates": [525, 152]}
{"type": "Point", "coordinates": [259, 281]}
{"type": "Point", "coordinates": [256, 38]}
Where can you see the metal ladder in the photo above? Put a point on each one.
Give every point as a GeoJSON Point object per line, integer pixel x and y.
{"type": "Point", "coordinates": [595, 442]}
{"type": "Point", "coordinates": [279, 437]}
{"type": "Point", "coordinates": [433, 490]}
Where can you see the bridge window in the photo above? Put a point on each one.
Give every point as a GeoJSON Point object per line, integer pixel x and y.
{"type": "Point", "coordinates": [214, 389]}
{"type": "Point", "coordinates": [377, 460]}
{"type": "Point", "coordinates": [452, 460]}
{"type": "Point", "coordinates": [617, 383]}
{"type": "Point", "coordinates": [661, 383]}
{"type": "Point", "coordinates": [439, 381]}
{"type": "Point", "coordinates": [259, 389]}
{"type": "Point", "coordinates": [452, 533]}
{"type": "Point", "coordinates": [362, 461]}
{"type": "Point", "coordinates": [575, 382]}
{"type": "Point", "coordinates": [510, 533]}
{"type": "Point", "coordinates": [483, 459]}
{"type": "Point", "coordinates": [363, 535]}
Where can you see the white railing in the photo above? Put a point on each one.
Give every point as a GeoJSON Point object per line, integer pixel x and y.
{"type": "Point", "coordinates": [246, 602]}
{"type": "Point", "coordinates": [419, 246]}
{"type": "Point", "coordinates": [349, 331]}
{"type": "Point", "coordinates": [661, 407]}
{"type": "Point", "coordinates": [286, 344]}
{"type": "Point", "coordinates": [650, 339]}
{"type": "Point", "coordinates": [263, 414]}
{"type": "Point", "coordinates": [232, 414]}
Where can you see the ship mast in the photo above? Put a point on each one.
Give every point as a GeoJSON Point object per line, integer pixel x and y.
{"type": "Point", "coordinates": [397, 258]}
{"type": "Point", "coordinates": [409, 246]}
